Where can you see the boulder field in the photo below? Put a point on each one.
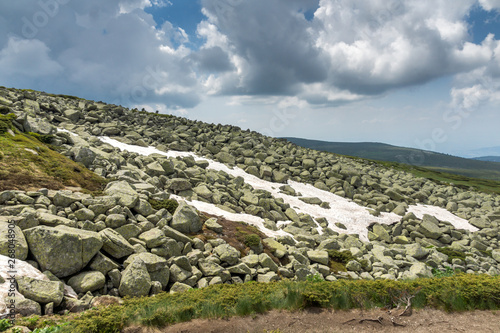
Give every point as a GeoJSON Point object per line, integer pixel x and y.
{"type": "Point", "coordinates": [146, 232]}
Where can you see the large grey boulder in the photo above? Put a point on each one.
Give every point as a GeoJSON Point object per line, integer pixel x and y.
{"type": "Point", "coordinates": [429, 227]}
{"type": "Point", "coordinates": [416, 251]}
{"type": "Point", "coordinates": [38, 125]}
{"type": "Point", "coordinates": [418, 270]}
{"type": "Point", "coordinates": [12, 241]}
{"type": "Point", "coordinates": [128, 197]}
{"type": "Point", "coordinates": [115, 220]}
{"type": "Point", "coordinates": [144, 208]}
{"type": "Point", "coordinates": [209, 268]}
{"type": "Point", "coordinates": [227, 254]}
{"type": "Point", "coordinates": [115, 244]}
{"type": "Point", "coordinates": [179, 287]}
{"type": "Point", "coordinates": [153, 262]}
{"type": "Point", "coordinates": [153, 238]}
{"type": "Point", "coordinates": [186, 219]}
{"type": "Point", "coordinates": [87, 281]}
{"type": "Point", "coordinates": [225, 158]}
{"type": "Point", "coordinates": [154, 169]}
{"type": "Point", "coordinates": [103, 264]}
{"type": "Point", "coordinates": [319, 256]}
{"type": "Point", "coordinates": [178, 184]}
{"type": "Point", "coordinates": [62, 250]}
{"type": "Point", "coordinates": [135, 281]}
{"type": "Point", "coordinates": [84, 155]}
{"type": "Point", "coordinates": [54, 220]}
{"type": "Point", "coordinates": [41, 291]}
{"type": "Point", "coordinates": [66, 198]}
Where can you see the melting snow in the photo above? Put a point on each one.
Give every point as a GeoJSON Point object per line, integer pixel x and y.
{"type": "Point", "coordinates": [441, 214]}
{"type": "Point", "coordinates": [356, 218]}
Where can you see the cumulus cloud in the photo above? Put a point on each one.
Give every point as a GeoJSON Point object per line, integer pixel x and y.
{"type": "Point", "coordinates": [28, 58]}
{"type": "Point", "coordinates": [108, 50]}
{"type": "Point", "coordinates": [325, 52]}
{"type": "Point", "coordinates": [490, 4]}
{"type": "Point", "coordinates": [349, 51]}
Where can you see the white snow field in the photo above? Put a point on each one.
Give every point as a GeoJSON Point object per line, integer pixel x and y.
{"type": "Point", "coordinates": [356, 218]}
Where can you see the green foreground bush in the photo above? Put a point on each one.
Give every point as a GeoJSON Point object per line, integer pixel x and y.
{"type": "Point", "coordinates": [456, 293]}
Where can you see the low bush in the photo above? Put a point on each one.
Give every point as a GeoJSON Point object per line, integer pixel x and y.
{"type": "Point", "coordinates": [455, 293]}
{"type": "Point", "coordinates": [169, 204]}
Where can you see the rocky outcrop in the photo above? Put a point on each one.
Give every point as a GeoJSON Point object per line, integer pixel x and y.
{"type": "Point", "coordinates": [132, 241]}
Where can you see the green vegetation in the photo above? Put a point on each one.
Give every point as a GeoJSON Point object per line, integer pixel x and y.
{"type": "Point", "coordinates": [28, 163]}
{"type": "Point", "coordinates": [6, 122]}
{"type": "Point", "coordinates": [47, 139]}
{"type": "Point", "coordinates": [452, 254]}
{"type": "Point", "coordinates": [443, 273]}
{"type": "Point", "coordinates": [459, 292]}
{"type": "Point", "coordinates": [5, 324]}
{"type": "Point", "coordinates": [169, 204]}
{"type": "Point", "coordinates": [252, 240]}
{"type": "Point", "coordinates": [338, 260]}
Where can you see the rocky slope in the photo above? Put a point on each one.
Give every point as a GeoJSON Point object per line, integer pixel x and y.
{"type": "Point", "coordinates": [353, 220]}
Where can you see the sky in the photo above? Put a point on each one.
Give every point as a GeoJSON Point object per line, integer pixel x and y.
{"type": "Point", "coordinates": [413, 73]}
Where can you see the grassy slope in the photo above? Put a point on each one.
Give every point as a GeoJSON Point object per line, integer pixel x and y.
{"type": "Point", "coordinates": [28, 164]}
{"type": "Point", "coordinates": [415, 157]}
{"type": "Point", "coordinates": [488, 158]}
{"type": "Point", "coordinates": [455, 293]}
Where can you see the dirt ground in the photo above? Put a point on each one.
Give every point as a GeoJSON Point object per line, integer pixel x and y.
{"type": "Point", "coordinates": [322, 321]}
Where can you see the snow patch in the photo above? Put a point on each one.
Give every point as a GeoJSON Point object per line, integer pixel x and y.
{"type": "Point", "coordinates": [441, 214]}
{"type": "Point", "coordinates": [356, 218]}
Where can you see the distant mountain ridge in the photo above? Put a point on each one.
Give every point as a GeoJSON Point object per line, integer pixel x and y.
{"type": "Point", "coordinates": [488, 158]}
{"type": "Point", "coordinates": [477, 168]}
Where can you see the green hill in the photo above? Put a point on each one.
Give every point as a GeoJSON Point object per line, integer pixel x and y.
{"type": "Point", "coordinates": [410, 156]}
{"type": "Point", "coordinates": [488, 158]}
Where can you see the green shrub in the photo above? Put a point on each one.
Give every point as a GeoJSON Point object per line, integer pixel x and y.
{"type": "Point", "coordinates": [5, 324]}
{"type": "Point", "coordinates": [44, 138]}
{"type": "Point", "coordinates": [342, 257]}
{"type": "Point", "coordinates": [452, 254]}
{"type": "Point", "coordinates": [443, 273]}
{"type": "Point", "coordinates": [252, 240]}
{"type": "Point", "coordinates": [169, 204]}
{"type": "Point", "coordinates": [6, 122]}
{"type": "Point", "coordinates": [314, 278]}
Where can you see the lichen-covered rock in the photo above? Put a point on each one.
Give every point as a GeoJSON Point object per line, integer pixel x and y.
{"type": "Point", "coordinates": [115, 244]}
{"type": "Point", "coordinates": [429, 227]}
{"type": "Point", "coordinates": [41, 291]}
{"type": "Point", "coordinates": [228, 254]}
{"type": "Point", "coordinates": [418, 270]}
{"type": "Point", "coordinates": [153, 262]}
{"type": "Point", "coordinates": [318, 256]}
{"type": "Point", "coordinates": [179, 287]}
{"type": "Point", "coordinates": [186, 219]}
{"type": "Point", "coordinates": [87, 281]}
{"type": "Point", "coordinates": [12, 241]}
{"type": "Point", "coordinates": [135, 280]}
{"type": "Point", "coordinates": [102, 263]}
{"type": "Point", "coordinates": [153, 238]}
{"type": "Point", "coordinates": [212, 224]}
{"type": "Point", "coordinates": [62, 250]}
{"type": "Point", "coordinates": [127, 196]}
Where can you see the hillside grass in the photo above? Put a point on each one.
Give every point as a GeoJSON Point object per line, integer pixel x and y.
{"type": "Point", "coordinates": [455, 293]}
{"type": "Point", "coordinates": [26, 163]}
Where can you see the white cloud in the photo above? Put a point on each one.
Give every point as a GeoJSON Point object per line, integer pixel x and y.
{"type": "Point", "coordinates": [29, 58]}
{"type": "Point", "coordinates": [351, 50]}
{"type": "Point", "coordinates": [490, 4]}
